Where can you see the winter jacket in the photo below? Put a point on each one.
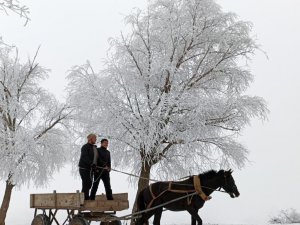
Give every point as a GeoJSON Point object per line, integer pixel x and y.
{"type": "Point", "coordinates": [86, 156]}
{"type": "Point", "coordinates": [104, 157]}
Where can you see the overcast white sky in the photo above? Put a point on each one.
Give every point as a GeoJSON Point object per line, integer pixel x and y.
{"type": "Point", "coordinates": [73, 31]}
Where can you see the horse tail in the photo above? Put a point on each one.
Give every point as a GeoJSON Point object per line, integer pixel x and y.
{"type": "Point", "coordinates": [141, 201]}
{"type": "Point", "coordinates": [140, 206]}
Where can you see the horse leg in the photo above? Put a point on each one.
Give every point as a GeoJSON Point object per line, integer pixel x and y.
{"type": "Point", "coordinates": [193, 220]}
{"type": "Point", "coordinates": [141, 221]}
{"type": "Point", "coordinates": [195, 216]}
{"type": "Point", "coordinates": [144, 219]}
{"type": "Point", "coordinates": [157, 216]}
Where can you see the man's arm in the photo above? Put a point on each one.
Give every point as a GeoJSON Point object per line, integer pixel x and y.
{"type": "Point", "coordinates": [96, 155]}
{"type": "Point", "coordinates": [108, 160]}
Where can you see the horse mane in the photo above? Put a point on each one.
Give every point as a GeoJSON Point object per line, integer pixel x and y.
{"type": "Point", "coordinates": [208, 174]}
{"type": "Point", "coordinates": [205, 175]}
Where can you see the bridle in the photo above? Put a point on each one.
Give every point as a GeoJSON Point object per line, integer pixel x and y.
{"type": "Point", "coordinates": [226, 185]}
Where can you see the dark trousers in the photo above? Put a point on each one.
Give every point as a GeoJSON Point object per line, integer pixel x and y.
{"type": "Point", "coordinates": [85, 175]}
{"type": "Point", "coordinates": [104, 176]}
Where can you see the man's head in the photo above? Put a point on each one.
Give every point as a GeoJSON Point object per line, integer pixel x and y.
{"type": "Point", "coordinates": [104, 143]}
{"type": "Point", "coordinates": [92, 138]}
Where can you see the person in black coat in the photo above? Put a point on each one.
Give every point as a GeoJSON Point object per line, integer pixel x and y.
{"type": "Point", "coordinates": [104, 164]}
{"type": "Point", "coordinates": [87, 164]}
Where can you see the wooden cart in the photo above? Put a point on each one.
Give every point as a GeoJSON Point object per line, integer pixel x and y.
{"type": "Point", "coordinates": [78, 211]}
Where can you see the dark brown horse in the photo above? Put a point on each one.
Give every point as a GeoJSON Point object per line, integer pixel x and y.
{"type": "Point", "coordinates": [160, 193]}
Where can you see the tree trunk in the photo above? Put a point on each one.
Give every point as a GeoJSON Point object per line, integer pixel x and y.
{"type": "Point", "coordinates": [142, 183]}
{"type": "Point", "coordinates": [5, 202]}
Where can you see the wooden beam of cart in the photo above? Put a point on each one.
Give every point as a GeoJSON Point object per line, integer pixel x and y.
{"type": "Point", "coordinates": [75, 201]}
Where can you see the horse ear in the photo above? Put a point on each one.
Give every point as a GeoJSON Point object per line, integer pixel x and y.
{"type": "Point", "coordinates": [230, 171]}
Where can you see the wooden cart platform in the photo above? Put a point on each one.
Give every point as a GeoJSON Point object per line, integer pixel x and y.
{"type": "Point", "coordinates": [79, 211]}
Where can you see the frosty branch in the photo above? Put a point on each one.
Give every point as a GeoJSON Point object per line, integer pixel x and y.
{"type": "Point", "coordinates": [16, 7]}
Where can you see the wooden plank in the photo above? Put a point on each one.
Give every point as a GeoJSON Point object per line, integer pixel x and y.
{"type": "Point", "coordinates": [78, 198]}
{"type": "Point", "coordinates": [105, 205]}
{"type": "Point", "coordinates": [98, 216]}
{"type": "Point", "coordinates": [56, 200]}
{"type": "Point", "coordinates": [32, 201]}
{"type": "Point", "coordinates": [117, 196]}
{"type": "Point", "coordinates": [75, 201]}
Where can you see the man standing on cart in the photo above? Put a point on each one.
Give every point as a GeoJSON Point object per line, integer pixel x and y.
{"type": "Point", "coordinates": [103, 170]}
{"type": "Point", "coordinates": [87, 164]}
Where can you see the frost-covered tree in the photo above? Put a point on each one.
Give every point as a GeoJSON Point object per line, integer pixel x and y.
{"type": "Point", "coordinates": [31, 122]}
{"type": "Point", "coordinates": [172, 94]}
{"type": "Point", "coordinates": [16, 7]}
{"type": "Point", "coordinates": [286, 217]}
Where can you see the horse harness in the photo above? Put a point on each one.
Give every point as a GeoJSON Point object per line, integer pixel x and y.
{"type": "Point", "coordinates": [197, 188]}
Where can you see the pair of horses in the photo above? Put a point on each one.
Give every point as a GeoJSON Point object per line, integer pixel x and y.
{"type": "Point", "coordinates": [183, 195]}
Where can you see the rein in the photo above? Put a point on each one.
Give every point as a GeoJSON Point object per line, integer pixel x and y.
{"type": "Point", "coordinates": [145, 178]}
{"type": "Point", "coordinates": [189, 193]}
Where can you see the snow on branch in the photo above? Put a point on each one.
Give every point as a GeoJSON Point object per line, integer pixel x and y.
{"type": "Point", "coordinates": [288, 216]}
{"type": "Point", "coordinates": [32, 121]}
{"type": "Point", "coordinates": [16, 7]}
{"type": "Point", "coordinates": [175, 81]}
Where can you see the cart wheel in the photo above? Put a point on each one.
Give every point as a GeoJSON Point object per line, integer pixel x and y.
{"type": "Point", "coordinates": [77, 220]}
{"type": "Point", "coordinates": [40, 219]}
{"type": "Point", "coordinates": [115, 222]}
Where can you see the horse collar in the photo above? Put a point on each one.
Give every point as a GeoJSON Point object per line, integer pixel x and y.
{"type": "Point", "coordinates": [198, 189]}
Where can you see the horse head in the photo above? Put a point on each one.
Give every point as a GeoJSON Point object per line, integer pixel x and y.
{"type": "Point", "coordinates": [228, 183]}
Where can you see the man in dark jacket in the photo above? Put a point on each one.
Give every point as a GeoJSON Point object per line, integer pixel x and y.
{"type": "Point", "coordinates": [104, 162]}
{"type": "Point", "coordinates": [87, 164]}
